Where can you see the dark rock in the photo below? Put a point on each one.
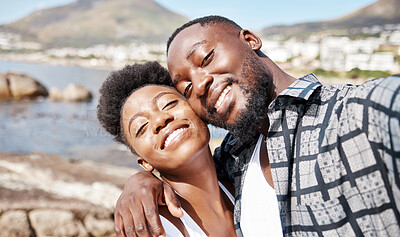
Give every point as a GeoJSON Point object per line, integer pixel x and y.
{"type": "Point", "coordinates": [22, 86]}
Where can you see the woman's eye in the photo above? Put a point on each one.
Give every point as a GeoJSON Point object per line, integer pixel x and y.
{"type": "Point", "coordinates": [170, 104]}
{"type": "Point", "coordinates": [207, 59]}
{"type": "Point", "coordinates": [141, 129]}
{"type": "Point", "coordinates": [187, 89]}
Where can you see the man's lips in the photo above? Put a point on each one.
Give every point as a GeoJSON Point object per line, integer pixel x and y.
{"type": "Point", "coordinates": [173, 134]}
{"type": "Point", "coordinates": [218, 98]}
{"type": "Point", "coordinates": [222, 97]}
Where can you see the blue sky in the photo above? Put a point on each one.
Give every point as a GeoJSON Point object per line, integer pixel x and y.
{"type": "Point", "coordinates": [251, 14]}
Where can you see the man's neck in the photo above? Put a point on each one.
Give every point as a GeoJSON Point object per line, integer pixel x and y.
{"type": "Point", "coordinates": [280, 79]}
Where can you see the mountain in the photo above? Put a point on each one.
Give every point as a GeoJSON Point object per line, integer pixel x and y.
{"type": "Point", "coordinates": [88, 22]}
{"type": "Point", "coordinates": [379, 13]}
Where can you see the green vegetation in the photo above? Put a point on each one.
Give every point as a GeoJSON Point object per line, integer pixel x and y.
{"type": "Point", "coordinates": [324, 73]}
{"type": "Point", "coordinates": [18, 51]}
{"type": "Point", "coordinates": [378, 13]}
{"type": "Point", "coordinates": [352, 74]}
{"type": "Point", "coordinates": [358, 73]}
{"type": "Point", "coordinates": [361, 36]}
{"type": "Point", "coordinates": [80, 24]}
{"type": "Point", "coordinates": [156, 52]}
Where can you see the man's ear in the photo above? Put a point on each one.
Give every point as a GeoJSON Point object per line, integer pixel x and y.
{"type": "Point", "coordinates": [145, 165]}
{"type": "Point", "coordinates": [251, 39]}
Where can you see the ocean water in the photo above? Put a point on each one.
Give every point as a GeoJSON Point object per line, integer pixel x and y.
{"type": "Point", "coordinates": [68, 129]}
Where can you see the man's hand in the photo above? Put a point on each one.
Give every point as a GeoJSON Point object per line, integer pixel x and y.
{"type": "Point", "coordinates": [137, 207]}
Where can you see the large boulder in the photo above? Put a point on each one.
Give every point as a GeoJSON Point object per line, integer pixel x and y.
{"type": "Point", "coordinates": [14, 224]}
{"type": "Point", "coordinates": [76, 93]}
{"type": "Point", "coordinates": [22, 86]}
{"type": "Point", "coordinates": [56, 223]}
{"type": "Point", "coordinates": [55, 94]}
{"type": "Point", "coordinates": [99, 226]}
{"type": "Point", "coordinates": [5, 93]}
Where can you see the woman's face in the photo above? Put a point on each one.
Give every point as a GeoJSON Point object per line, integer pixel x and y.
{"type": "Point", "coordinates": [162, 128]}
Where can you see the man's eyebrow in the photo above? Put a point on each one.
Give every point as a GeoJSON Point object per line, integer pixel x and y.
{"type": "Point", "coordinates": [153, 101]}
{"type": "Point", "coordinates": [194, 48]}
{"type": "Point", "coordinates": [175, 80]}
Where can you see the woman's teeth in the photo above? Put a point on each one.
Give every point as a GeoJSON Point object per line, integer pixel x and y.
{"type": "Point", "coordinates": [222, 96]}
{"type": "Point", "coordinates": [173, 135]}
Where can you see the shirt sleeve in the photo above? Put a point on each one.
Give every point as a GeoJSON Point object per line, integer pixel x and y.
{"type": "Point", "coordinates": [385, 99]}
{"type": "Point", "coordinates": [221, 156]}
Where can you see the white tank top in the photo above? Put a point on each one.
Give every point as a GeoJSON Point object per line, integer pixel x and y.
{"type": "Point", "coordinates": [191, 226]}
{"type": "Point", "coordinates": [259, 205]}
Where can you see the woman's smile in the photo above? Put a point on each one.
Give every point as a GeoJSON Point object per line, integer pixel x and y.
{"type": "Point", "coordinates": [173, 135]}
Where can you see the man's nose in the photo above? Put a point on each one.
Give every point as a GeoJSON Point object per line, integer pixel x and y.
{"type": "Point", "coordinates": [161, 120]}
{"type": "Point", "coordinates": [202, 84]}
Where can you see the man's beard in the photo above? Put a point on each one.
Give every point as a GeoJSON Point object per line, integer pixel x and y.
{"type": "Point", "coordinates": [250, 119]}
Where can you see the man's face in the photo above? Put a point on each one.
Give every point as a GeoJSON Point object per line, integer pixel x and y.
{"type": "Point", "coordinates": [215, 70]}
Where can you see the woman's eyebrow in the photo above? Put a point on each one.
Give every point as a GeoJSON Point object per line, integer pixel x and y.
{"type": "Point", "coordinates": [131, 120]}
{"type": "Point", "coordinates": [153, 101]}
{"type": "Point", "coordinates": [157, 97]}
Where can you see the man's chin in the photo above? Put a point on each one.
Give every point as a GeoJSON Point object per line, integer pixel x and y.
{"type": "Point", "coordinates": [243, 130]}
{"type": "Point", "coordinates": [248, 121]}
{"type": "Point", "coordinates": [243, 127]}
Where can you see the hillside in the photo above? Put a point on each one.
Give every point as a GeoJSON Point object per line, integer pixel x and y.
{"type": "Point", "coordinates": [88, 22]}
{"type": "Point", "coordinates": [379, 13]}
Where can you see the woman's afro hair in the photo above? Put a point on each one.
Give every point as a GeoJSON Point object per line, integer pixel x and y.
{"type": "Point", "coordinates": [119, 85]}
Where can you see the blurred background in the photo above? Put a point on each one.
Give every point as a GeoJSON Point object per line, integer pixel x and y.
{"type": "Point", "coordinates": [55, 54]}
{"type": "Point", "coordinates": [59, 42]}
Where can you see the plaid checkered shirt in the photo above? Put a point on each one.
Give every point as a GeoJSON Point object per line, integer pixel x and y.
{"type": "Point", "coordinates": [334, 152]}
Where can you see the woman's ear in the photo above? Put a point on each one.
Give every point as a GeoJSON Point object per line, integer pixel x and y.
{"type": "Point", "coordinates": [145, 165]}
{"type": "Point", "coordinates": [251, 39]}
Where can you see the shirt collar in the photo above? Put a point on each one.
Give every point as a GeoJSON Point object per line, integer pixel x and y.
{"type": "Point", "coordinates": [302, 88]}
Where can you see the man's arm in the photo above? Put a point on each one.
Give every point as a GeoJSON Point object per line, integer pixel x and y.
{"type": "Point", "coordinates": [383, 128]}
{"type": "Point", "coordinates": [137, 207]}
{"type": "Point", "coordinates": [391, 94]}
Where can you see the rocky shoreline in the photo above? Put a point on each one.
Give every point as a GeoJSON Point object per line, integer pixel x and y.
{"type": "Point", "coordinates": [44, 195]}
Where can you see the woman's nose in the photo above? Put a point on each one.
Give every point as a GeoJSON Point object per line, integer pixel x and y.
{"type": "Point", "coordinates": [161, 120]}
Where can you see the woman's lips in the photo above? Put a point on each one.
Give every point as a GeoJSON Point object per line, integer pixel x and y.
{"type": "Point", "coordinates": [170, 138]}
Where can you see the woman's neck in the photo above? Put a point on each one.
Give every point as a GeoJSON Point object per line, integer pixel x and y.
{"type": "Point", "coordinates": [201, 197]}
{"type": "Point", "coordinates": [197, 182]}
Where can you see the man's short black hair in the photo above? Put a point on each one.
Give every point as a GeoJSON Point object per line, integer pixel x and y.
{"type": "Point", "coordinates": [119, 85]}
{"type": "Point", "coordinates": [206, 20]}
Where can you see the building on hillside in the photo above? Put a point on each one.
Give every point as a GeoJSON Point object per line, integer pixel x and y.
{"type": "Point", "coordinates": [383, 61]}
{"type": "Point", "coordinates": [332, 53]}
{"type": "Point", "coordinates": [359, 60]}
{"type": "Point", "coordinates": [394, 38]}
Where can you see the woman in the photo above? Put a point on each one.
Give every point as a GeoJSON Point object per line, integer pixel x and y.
{"type": "Point", "coordinates": [158, 125]}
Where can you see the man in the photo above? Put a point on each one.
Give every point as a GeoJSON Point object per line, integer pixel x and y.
{"type": "Point", "coordinates": [333, 151]}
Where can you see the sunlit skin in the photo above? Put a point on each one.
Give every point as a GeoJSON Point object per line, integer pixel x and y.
{"type": "Point", "coordinates": [202, 58]}
{"type": "Point", "coordinates": [203, 62]}
{"type": "Point", "coordinates": [149, 116]}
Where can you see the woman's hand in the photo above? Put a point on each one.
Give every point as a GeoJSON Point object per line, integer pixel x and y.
{"type": "Point", "coordinates": [137, 206]}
